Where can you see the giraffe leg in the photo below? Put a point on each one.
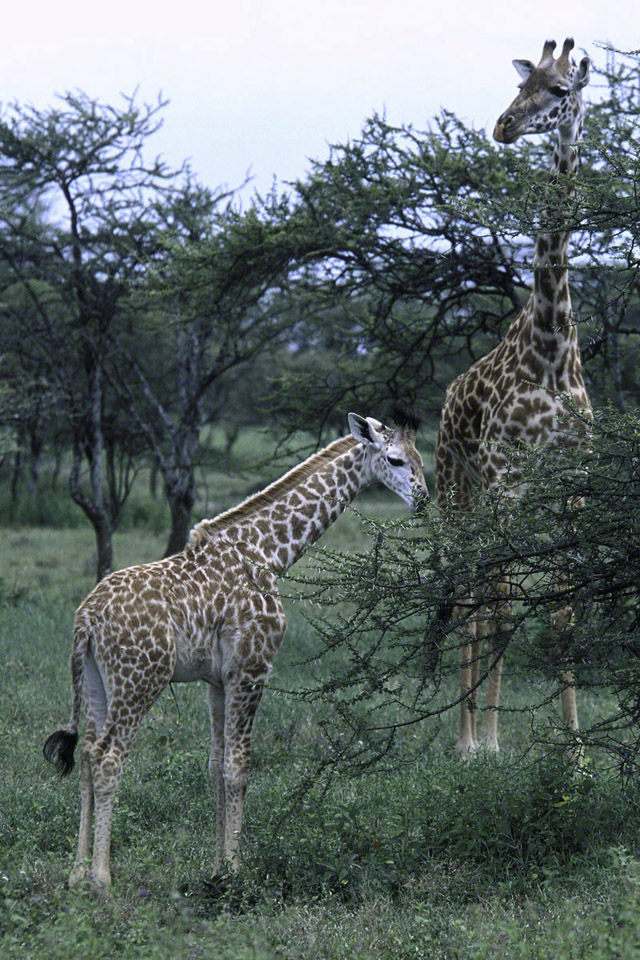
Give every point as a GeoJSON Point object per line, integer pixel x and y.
{"type": "Point", "coordinates": [96, 706]}
{"type": "Point", "coordinates": [216, 699]}
{"type": "Point", "coordinates": [108, 756]}
{"type": "Point", "coordinates": [241, 703]}
{"type": "Point", "coordinates": [107, 763]}
{"type": "Point", "coordinates": [83, 851]}
{"type": "Point", "coordinates": [468, 662]}
{"type": "Point", "coordinates": [492, 702]}
{"type": "Point", "coordinates": [569, 706]}
{"type": "Point", "coordinates": [496, 630]}
{"type": "Point", "coordinates": [561, 622]}
{"type": "Point", "coordinates": [107, 760]}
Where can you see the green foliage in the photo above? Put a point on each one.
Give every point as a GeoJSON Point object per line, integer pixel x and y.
{"type": "Point", "coordinates": [392, 641]}
{"type": "Point", "coordinates": [434, 857]}
{"type": "Point", "coordinates": [55, 509]}
{"type": "Point", "coordinates": [511, 825]}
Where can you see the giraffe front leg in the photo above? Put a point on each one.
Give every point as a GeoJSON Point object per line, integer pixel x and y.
{"type": "Point", "coordinates": [496, 629]}
{"type": "Point", "coordinates": [569, 705]}
{"type": "Point", "coordinates": [216, 700]}
{"type": "Point", "coordinates": [492, 703]}
{"type": "Point", "coordinates": [561, 623]}
{"type": "Point", "coordinates": [241, 704]}
{"type": "Point", "coordinates": [466, 743]}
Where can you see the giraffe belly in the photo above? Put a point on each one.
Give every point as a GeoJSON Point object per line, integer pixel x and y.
{"type": "Point", "coordinates": [203, 668]}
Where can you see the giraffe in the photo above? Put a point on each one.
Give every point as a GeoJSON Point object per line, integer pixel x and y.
{"type": "Point", "coordinates": [212, 613]}
{"type": "Point", "coordinates": [514, 394]}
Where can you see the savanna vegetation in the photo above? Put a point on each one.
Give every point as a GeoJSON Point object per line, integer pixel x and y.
{"type": "Point", "coordinates": [167, 349]}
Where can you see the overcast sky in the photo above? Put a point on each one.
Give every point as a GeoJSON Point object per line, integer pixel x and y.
{"type": "Point", "coordinates": [260, 86]}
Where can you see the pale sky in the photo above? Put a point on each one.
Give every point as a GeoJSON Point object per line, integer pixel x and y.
{"type": "Point", "coordinates": [263, 86]}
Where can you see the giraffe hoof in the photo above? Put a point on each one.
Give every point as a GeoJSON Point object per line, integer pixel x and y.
{"type": "Point", "coordinates": [101, 884]}
{"type": "Point", "coordinates": [78, 875]}
{"type": "Point", "coordinates": [87, 884]}
{"type": "Point", "coordinates": [465, 749]}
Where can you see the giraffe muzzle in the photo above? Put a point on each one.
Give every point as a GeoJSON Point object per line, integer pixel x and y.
{"type": "Point", "coordinates": [505, 129]}
{"type": "Point", "coordinates": [420, 501]}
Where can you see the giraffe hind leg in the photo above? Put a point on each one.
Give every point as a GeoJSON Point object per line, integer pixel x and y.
{"type": "Point", "coordinates": [96, 706]}
{"type": "Point", "coordinates": [107, 756]}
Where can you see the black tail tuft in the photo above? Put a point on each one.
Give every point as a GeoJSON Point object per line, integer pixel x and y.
{"type": "Point", "coordinates": [59, 750]}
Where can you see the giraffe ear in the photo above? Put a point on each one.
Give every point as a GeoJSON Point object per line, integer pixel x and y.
{"type": "Point", "coordinates": [366, 431]}
{"type": "Point", "coordinates": [524, 67]}
{"type": "Point", "coordinates": [582, 75]}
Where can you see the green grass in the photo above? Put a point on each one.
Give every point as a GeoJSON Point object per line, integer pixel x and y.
{"type": "Point", "coordinates": [509, 857]}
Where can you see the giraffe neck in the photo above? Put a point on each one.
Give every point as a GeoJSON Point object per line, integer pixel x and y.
{"type": "Point", "coordinates": [278, 524]}
{"type": "Point", "coordinates": [551, 299]}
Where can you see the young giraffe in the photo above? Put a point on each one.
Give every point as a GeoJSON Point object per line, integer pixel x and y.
{"type": "Point", "coordinates": [210, 613]}
{"type": "Point", "coordinates": [513, 395]}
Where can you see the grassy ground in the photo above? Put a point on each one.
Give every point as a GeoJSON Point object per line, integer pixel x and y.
{"type": "Point", "coordinates": [510, 857]}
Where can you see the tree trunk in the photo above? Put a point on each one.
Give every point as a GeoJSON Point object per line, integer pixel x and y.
{"type": "Point", "coordinates": [180, 506]}
{"type": "Point", "coordinates": [16, 475]}
{"type": "Point", "coordinates": [35, 451]}
{"type": "Point", "coordinates": [180, 483]}
{"type": "Point", "coordinates": [231, 434]}
{"type": "Point", "coordinates": [57, 463]}
{"type": "Point", "coordinates": [104, 548]}
{"type": "Point", "coordinates": [153, 479]}
{"type": "Point", "coordinates": [88, 442]}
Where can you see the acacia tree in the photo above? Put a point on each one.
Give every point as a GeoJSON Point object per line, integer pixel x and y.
{"type": "Point", "coordinates": [426, 252]}
{"type": "Point", "coordinates": [405, 272]}
{"type": "Point", "coordinates": [213, 295]}
{"type": "Point", "coordinates": [87, 161]}
{"type": "Point", "coordinates": [393, 644]}
{"type": "Point", "coordinates": [607, 278]}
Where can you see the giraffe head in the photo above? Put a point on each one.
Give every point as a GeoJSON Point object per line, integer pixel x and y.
{"type": "Point", "coordinates": [393, 457]}
{"type": "Point", "coordinates": [550, 96]}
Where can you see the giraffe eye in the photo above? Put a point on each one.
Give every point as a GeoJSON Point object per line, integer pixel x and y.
{"type": "Point", "coordinates": [395, 461]}
{"type": "Point", "coordinates": [558, 91]}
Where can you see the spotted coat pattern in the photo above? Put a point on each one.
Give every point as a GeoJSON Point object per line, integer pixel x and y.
{"type": "Point", "coordinates": [515, 394]}
{"type": "Point", "coordinates": [211, 613]}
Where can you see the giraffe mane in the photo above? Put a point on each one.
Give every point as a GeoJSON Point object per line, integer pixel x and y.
{"type": "Point", "coordinates": [405, 418]}
{"type": "Point", "coordinates": [274, 491]}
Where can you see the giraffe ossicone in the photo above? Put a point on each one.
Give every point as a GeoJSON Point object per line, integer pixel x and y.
{"type": "Point", "coordinates": [516, 395]}
{"type": "Point", "coordinates": [211, 613]}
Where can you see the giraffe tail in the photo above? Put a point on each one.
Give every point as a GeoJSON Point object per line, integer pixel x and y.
{"type": "Point", "coordinates": [59, 748]}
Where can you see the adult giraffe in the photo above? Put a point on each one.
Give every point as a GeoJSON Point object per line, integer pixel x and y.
{"type": "Point", "coordinates": [210, 613]}
{"type": "Point", "coordinates": [514, 394]}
